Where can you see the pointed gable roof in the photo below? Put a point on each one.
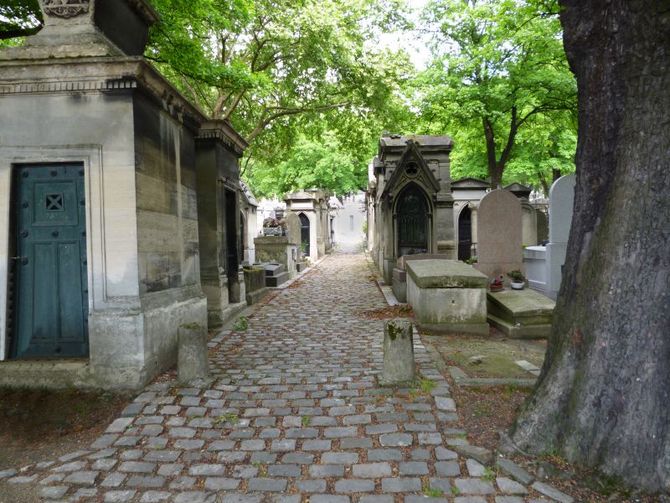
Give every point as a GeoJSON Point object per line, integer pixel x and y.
{"type": "Point", "coordinates": [401, 175]}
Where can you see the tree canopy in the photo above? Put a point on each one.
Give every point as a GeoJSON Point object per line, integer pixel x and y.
{"type": "Point", "coordinates": [292, 73]}
{"type": "Point", "coordinates": [275, 67]}
{"type": "Point", "coordinates": [499, 83]}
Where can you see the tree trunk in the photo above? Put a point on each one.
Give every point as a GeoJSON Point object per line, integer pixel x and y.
{"type": "Point", "coordinates": [603, 397]}
{"type": "Point", "coordinates": [495, 175]}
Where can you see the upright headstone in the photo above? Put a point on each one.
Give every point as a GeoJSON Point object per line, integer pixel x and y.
{"type": "Point", "coordinates": [293, 227]}
{"type": "Point", "coordinates": [528, 224]}
{"type": "Point", "coordinates": [499, 233]}
{"type": "Point", "coordinates": [561, 200]}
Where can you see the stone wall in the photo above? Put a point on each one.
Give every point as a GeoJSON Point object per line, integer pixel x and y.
{"type": "Point", "coordinates": [167, 214]}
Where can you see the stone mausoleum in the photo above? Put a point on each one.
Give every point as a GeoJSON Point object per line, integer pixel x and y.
{"type": "Point", "coordinates": [410, 203]}
{"type": "Point", "coordinates": [119, 204]}
{"type": "Point", "coordinates": [311, 207]}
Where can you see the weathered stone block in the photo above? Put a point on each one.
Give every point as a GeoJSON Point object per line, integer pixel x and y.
{"type": "Point", "coordinates": [447, 295]}
{"type": "Point", "coordinates": [398, 353]}
{"type": "Point", "coordinates": [436, 273]}
{"type": "Point", "coordinates": [192, 357]}
{"type": "Point", "coordinates": [521, 313]}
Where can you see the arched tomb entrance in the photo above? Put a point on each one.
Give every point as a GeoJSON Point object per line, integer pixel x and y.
{"type": "Point", "coordinates": [465, 234]}
{"type": "Point", "coordinates": [304, 234]}
{"type": "Point", "coordinates": [413, 201]}
{"type": "Point", "coordinates": [412, 221]}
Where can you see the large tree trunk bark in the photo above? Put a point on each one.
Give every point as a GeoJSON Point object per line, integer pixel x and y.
{"type": "Point", "coordinates": [603, 398]}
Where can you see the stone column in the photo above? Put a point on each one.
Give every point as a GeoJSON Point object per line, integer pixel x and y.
{"type": "Point", "coordinates": [474, 210]}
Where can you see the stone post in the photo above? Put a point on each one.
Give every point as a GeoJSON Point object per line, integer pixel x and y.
{"type": "Point", "coordinates": [192, 353]}
{"type": "Point", "coordinates": [398, 353]}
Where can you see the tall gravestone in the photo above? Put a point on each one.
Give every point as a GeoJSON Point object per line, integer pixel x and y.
{"type": "Point", "coordinates": [499, 248]}
{"type": "Point", "coordinates": [293, 228]}
{"type": "Point", "coordinates": [561, 200]}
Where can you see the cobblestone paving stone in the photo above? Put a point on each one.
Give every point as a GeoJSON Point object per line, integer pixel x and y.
{"type": "Point", "coordinates": [293, 415]}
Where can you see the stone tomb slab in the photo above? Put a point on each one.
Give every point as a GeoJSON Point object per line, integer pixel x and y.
{"type": "Point", "coordinates": [447, 296]}
{"type": "Point", "coordinates": [521, 314]}
{"type": "Point", "coordinates": [275, 274]}
{"type": "Point", "coordinates": [399, 284]}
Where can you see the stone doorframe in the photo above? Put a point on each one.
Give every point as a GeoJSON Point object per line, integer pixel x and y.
{"type": "Point", "coordinates": [91, 157]}
{"type": "Point", "coordinates": [429, 218]}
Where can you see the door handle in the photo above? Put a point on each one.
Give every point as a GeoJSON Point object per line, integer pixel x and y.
{"type": "Point", "coordinates": [17, 258]}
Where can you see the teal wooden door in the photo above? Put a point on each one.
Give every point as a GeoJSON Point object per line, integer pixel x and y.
{"type": "Point", "coordinates": [51, 297]}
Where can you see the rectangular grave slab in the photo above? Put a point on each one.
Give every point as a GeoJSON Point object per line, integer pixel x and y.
{"type": "Point", "coordinates": [447, 296]}
{"type": "Point", "coordinates": [402, 261]}
{"type": "Point", "coordinates": [274, 269]}
{"type": "Point", "coordinates": [522, 314]}
{"type": "Point", "coordinates": [275, 281]}
{"type": "Point", "coordinates": [399, 284]}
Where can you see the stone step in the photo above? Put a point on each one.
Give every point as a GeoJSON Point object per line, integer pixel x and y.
{"type": "Point", "coordinates": [520, 313]}
{"type": "Point", "coordinates": [277, 280]}
{"type": "Point", "coordinates": [274, 269]}
{"type": "Point", "coordinates": [50, 374]}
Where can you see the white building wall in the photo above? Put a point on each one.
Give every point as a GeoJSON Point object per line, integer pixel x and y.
{"type": "Point", "coordinates": [348, 224]}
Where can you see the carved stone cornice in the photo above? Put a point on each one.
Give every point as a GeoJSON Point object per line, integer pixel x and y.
{"type": "Point", "coordinates": [67, 86]}
{"type": "Point", "coordinates": [98, 75]}
{"type": "Point", "coordinates": [222, 130]}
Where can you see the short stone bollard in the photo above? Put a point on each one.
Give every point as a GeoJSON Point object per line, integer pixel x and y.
{"type": "Point", "coordinates": [398, 353]}
{"type": "Point", "coordinates": [192, 353]}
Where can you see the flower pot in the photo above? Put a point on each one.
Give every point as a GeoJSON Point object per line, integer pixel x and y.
{"type": "Point", "coordinates": [517, 285]}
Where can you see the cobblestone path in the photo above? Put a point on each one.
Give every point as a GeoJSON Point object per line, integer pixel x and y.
{"type": "Point", "coordinates": [294, 415]}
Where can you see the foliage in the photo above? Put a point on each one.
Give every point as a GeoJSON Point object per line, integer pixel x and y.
{"type": "Point", "coordinates": [516, 275]}
{"type": "Point", "coordinates": [488, 474]}
{"type": "Point", "coordinates": [427, 385]}
{"type": "Point", "coordinates": [277, 68]}
{"type": "Point", "coordinates": [432, 492]}
{"type": "Point", "coordinates": [229, 418]}
{"type": "Point", "coordinates": [307, 83]}
{"type": "Point", "coordinates": [312, 163]}
{"type": "Point", "coordinates": [500, 85]}
{"type": "Point", "coordinates": [18, 18]}
{"type": "Point", "coordinates": [241, 324]}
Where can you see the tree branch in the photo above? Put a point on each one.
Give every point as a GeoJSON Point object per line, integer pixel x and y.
{"type": "Point", "coordinates": [234, 104]}
{"type": "Point", "coordinates": [513, 129]}
{"type": "Point", "coordinates": [283, 112]}
{"type": "Point", "coordinates": [246, 164]}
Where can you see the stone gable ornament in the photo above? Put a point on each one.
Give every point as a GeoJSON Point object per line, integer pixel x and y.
{"type": "Point", "coordinates": [65, 8]}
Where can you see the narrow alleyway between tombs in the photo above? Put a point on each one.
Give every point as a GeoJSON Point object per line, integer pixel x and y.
{"type": "Point", "coordinates": [293, 415]}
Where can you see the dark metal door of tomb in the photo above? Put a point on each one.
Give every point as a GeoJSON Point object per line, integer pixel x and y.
{"type": "Point", "coordinates": [304, 234]}
{"type": "Point", "coordinates": [232, 257]}
{"type": "Point", "coordinates": [50, 296]}
{"type": "Point", "coordinates": [412, 216]}
{"type": "Point", "coordinates": [465, 234]}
